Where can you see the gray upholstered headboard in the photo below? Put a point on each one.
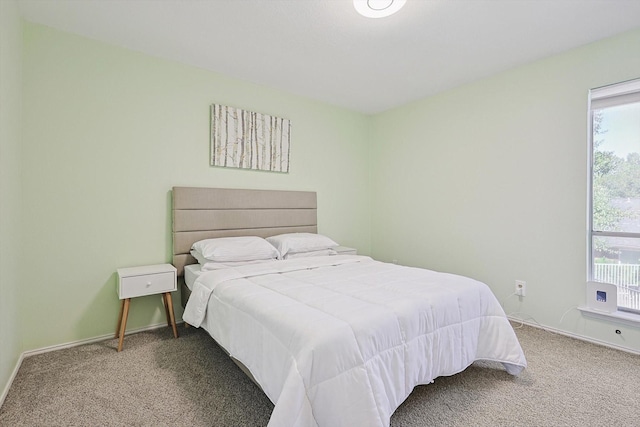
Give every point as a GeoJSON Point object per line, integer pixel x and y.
{"type": "Point", "coordinates": [204, 213]}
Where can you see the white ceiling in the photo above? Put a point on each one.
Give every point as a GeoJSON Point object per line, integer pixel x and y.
{"type": "Point", "coordinates": [324, 50]}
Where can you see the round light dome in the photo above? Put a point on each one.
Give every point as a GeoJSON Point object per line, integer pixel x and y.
{"type": "Point", "coordinates": [378, 8]}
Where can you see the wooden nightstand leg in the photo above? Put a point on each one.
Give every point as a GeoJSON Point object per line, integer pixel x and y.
{"type": "Point", "coordinates": [123, 326]}
{"type": "Point", "coordinates": [171, 316]}
{"type": "Point", "coordinates": [119, 319]}
{"type": "Point", "coordinates": [165, 302]}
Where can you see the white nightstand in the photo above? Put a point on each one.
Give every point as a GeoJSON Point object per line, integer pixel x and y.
{"type": "Point", "coordinates": [343, 250]}
{"type": "Point", "coordinates": [146, 280]}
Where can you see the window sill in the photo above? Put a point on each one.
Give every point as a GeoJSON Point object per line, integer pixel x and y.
{"type": "Point", "coordinates": [629, 319]}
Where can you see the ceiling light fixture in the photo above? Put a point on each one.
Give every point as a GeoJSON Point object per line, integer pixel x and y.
{"type": "Point", "coordinates": [378, 8]}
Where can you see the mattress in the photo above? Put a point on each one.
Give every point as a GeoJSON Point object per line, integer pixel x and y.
{"type": "Point", "coordinates": [343, 340]}
{"type": "Point", "coordinates": [191, 273]}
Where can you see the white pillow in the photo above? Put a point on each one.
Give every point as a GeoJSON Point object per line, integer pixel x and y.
{"type": "Point", "coordinates": [300, 242]}
{"type": "Point", "coordinates": [230, 249]}
{"type": "Point", "coordinates": [199, 257]}
{"type": "Point", "coordinates": [322, 252]}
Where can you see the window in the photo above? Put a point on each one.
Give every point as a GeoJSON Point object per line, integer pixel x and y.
{"type": "Point", "coordinates": [614, 191]}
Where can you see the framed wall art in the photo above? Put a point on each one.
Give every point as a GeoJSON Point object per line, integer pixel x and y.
{"type": "Point", "coordinates": [249, 140]}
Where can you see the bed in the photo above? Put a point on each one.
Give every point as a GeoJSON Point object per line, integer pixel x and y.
{"type": "Point", "coordinates": [338, 340]}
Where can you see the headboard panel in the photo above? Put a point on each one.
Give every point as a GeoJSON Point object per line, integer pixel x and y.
{"type": "Point", "coordinates": [204, 213]}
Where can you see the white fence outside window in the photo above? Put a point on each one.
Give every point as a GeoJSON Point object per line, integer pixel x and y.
{"type": "Point", "coordinates": [626, 277]}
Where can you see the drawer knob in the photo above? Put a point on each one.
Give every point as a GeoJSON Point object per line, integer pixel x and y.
{"type": "Point", "coordinates": [148, 284]}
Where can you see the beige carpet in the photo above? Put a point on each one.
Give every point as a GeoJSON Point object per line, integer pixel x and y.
{"type": "Point", "coordinates": [160, 381]}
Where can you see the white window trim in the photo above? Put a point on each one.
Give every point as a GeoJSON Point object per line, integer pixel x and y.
{"type": "Point", "coordinates": [616, 89]}
{"type": "Point", "coordinates": [605, 95]}
{"type": "Point", "coordinates": [623, 317]}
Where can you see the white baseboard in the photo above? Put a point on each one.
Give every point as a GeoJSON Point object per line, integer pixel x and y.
{"type": "Point", "coordinates": [91, 340]}
{"type": "Point", "coordinates": [42, 350]}
{"type": "Point", "coordinates": [572, 335]}
{"type": "Point", "coordinates": [11, 378]}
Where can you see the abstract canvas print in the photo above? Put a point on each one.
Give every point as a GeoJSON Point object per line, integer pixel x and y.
{"type": "Point", "coordinates": [249, 140]}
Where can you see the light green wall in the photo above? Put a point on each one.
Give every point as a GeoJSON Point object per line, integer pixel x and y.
{"type": "Point", "coordinates": [107, 133]}
{"type": "Point", "coordinates": [489, 180]}
{"type": "Point", "coordinates": [10, 281]}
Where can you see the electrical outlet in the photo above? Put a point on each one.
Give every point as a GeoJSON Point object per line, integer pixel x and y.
{"type": "Point", "coordinates": [521, 288]}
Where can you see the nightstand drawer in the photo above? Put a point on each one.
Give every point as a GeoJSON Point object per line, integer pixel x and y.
{"type": "Point", "coordinates": [147, 284]}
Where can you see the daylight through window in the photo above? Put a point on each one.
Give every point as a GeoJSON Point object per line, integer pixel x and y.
{"type": "Point", "coordinates": [615, 190]}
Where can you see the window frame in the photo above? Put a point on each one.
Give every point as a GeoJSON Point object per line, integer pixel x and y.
{"type": "Point", "coordinates": [606, 96]}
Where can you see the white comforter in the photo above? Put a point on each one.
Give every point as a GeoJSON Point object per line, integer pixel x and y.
{"type": "Point", "coordinates": [343, 340]}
